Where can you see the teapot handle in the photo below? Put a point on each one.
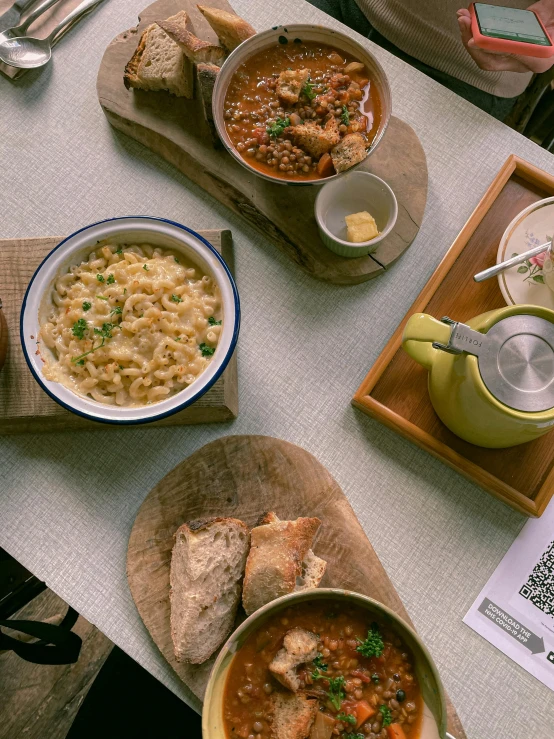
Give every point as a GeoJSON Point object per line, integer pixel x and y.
{"type": "Point", "coordinates": [419, 334]}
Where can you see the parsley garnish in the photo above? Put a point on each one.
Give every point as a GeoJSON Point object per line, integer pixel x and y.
{"type": "Point", "coordinates": [86, 306]}
{"type": "Point", "coordinates": [145, 266]}
{"type": "Point", "coordinates": [100, 278]}
{"type": "Point", "coordinates": [116, 311]}
{"type": "Point", "coordinates": [336, 693]}
{"type": "Point", "coordinates": [105, 332]}
{"type": "Point", "coordinates": [345, 116]}
{"type": "Point", "coordinates": [110, 280]}
{"type": "Point", "coordinates": [102, 297]}
{"type": "Point", "coordinates": [119, 251]}
{"type": "Point", "coordinates": [308, 90]}
{"type": "Point", "coordinates": [175, 258]}
{"type": "Point", "coordinates": [353, 736]}
{"type": "Point", "coordinates": [213, 322]}
{"type": "Point", "coordinates": [375, 678]}
{"type": "Point", "coordinates": [387, 717]}
{"type": "Point", "coordinates": [373, 646]}
{"type": "Point", "coordinates": [318, 661]}
{"type": "Point", "coordinates": [176, 299]}
{"type": "Point", "coordinates": [206, 350]}
{"type": "Point", "coordinates": [346, 718]}
{"type": "Point", "coordinates": [277, 128]}
{"type": "Point", "coordinates": [81, 362]}
{"type": "Point", "coordinates": [79, 328]}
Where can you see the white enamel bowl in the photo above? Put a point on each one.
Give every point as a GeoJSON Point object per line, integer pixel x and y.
{"type": "Point", "coordinates": [129, 230]}
{"type": "Point", "coordinates": [289, 33]}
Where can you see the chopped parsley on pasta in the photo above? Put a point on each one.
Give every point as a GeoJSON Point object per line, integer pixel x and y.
{"type": "Point", "coordinates": [131, 325]}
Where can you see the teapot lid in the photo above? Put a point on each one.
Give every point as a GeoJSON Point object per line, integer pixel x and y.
{"type": "Point", "coordinates": [515, 359]}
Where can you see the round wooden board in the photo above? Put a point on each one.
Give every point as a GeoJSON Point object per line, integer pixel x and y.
{"type": "Point", "coordinates": [243, 476]}
{"type": "Point", "coordinates": [175, 129]}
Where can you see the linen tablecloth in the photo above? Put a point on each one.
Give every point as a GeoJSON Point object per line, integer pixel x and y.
{"type": "Point", "coordinates": [68, 500]}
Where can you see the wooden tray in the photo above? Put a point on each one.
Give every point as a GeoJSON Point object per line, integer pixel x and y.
{"type": "Point", "coordinates": [242, 476]}
{"type": "Point", "coordinates": [24, 406]}
{"type": "Point", "coordinates": [395, 390]}
{"type": "Point", "coordinates": [175, 129]}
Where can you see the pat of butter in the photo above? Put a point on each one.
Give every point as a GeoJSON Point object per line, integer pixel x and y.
{"type": "Point", "coordinates": [361, 227]}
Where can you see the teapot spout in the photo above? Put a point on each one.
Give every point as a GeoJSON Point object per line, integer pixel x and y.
{"type": "Point", "coordinates": [419, 334]}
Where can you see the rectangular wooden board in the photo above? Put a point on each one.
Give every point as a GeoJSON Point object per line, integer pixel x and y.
{"type": "Point", "coordinates": [24, 406]}
{"type": "Point", "coordinates": [525, 481]}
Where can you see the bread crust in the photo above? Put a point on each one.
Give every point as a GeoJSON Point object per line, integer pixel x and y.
{"type": "Point", "coordinates": [350, 151]}
{"type": "Point", "coordinates": [130, 77]}
{"type": "Point", "coordinates": [206, 75]}
{"type": "Point", "coordinates": [195, 49]}
{"type": "Point", "coordinates": [275, 560]}
{"type": "Point", "coordinates": [230, 28]}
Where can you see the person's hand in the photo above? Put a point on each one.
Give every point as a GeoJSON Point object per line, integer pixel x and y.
{"type": "Point", "coordinates": [493, 61]}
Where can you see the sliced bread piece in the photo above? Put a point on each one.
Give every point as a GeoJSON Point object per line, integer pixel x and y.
{"type": "Point", "coordinates": [299, 647]}
{"type": "Point", "coordinates": [205, 80]}
{"type": "Point", "coordinates": [350, 151]}
{"type": "Point", "coordinates": [293, 715]}
{"type": "Point", "coordinates": [195, 49]}
{"type": "Point", "coordinates": [313, 569]}
{"type": "Point", "coordinates": [231, 29]}
{"type": "Point", "coordinates": [207, 565]}
{"type": "Point", "coordinates": [314, 139]}
{"type": "Point", "coordinates": [275, 559]}
{"type": "Point", "coordinates": [159, 64]}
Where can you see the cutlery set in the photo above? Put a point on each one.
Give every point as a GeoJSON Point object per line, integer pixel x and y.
{"type": "Point", "coordinates": [17, 48]}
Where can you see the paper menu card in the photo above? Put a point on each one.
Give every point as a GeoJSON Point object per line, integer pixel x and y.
{"type": "Point", "coordinates": [515, 609]}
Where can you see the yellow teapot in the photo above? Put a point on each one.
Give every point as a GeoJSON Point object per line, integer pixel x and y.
{"type": "Point", "coordinates": [491, 381]}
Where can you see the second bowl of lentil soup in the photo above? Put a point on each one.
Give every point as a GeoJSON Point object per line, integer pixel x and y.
{"type": "Point", "coordinates": [300, 104]}
{"type": "Point", "coordinates": [364, 674]}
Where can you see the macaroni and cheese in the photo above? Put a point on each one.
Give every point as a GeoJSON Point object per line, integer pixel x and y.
{"type": "Point", "coordinates": [131, 325]}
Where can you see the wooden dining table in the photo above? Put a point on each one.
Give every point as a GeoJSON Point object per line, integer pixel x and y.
{"type": "Point", "coordinates": [68, 499]}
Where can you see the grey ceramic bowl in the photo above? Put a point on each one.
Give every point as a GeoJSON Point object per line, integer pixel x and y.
{"type": "Point", "coordinates": [434, 719]}
{"type": "Point", "coordinates": [306, 32]}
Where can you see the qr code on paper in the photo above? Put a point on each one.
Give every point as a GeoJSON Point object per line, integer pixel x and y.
{"type": "Point", "coordinates": [539, 588]}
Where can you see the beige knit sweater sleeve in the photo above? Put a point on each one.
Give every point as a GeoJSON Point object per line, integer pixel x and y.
{"type": "Point", "coordinates": [428, 30]}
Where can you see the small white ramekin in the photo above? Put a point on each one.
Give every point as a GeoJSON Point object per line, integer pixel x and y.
{"type": "Point", "coordinates": [129, 230]}
{"type": "Point", "coordinates": [353, 193]}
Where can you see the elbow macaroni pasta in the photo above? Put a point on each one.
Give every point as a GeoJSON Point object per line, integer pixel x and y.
{"type": "Point", "coordinates": [131, 325]}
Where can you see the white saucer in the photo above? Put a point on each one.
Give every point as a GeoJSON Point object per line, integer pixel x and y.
{"type": "Point", "coordinates": [525, 283]}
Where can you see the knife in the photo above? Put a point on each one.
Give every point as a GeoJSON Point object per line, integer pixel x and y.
{"type": "Point", "coordinates": [12, 16]}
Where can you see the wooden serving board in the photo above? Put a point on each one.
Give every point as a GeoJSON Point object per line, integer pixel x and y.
{"type": "Point", "coordinates": [175, 129]}
{"type": "Point", "coordinates": [24, 406]}
{"type": "Point", "coordinates": [523, 477]}
{"type": "Point", "coordinates": [243, 476]}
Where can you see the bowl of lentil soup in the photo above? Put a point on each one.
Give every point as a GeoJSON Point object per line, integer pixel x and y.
{"type": "Point", "coordinates": [296, 104]}
{"type": "Point", "coordinates": [372, 677]}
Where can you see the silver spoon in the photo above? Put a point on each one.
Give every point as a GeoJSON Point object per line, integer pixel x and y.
{"type": "Point", "coordinates": [27, 52]}
{"type": "Point", "coordinates": [17, 31]}
{"type": "Point", "coordinates": [498, 268]}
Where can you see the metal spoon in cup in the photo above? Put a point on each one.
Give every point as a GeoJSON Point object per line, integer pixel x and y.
{"type": "Point", "coordinates": [498, 268]}
{"type": "Point", "coordinates": [27, 52]}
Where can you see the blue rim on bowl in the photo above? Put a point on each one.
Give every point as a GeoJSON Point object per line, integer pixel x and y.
{"type": "Point", "coordinates": [46, 273]}
{"type": "Point", "coordinates": [308, 32]}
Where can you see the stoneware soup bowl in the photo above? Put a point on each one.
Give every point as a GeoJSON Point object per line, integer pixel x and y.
{"type": "Point", "coordinates": [285, 35]}
{"type": "Point", "coordinates": [128, 230]}
{"type": "Point", "coordinates": [434, 719]}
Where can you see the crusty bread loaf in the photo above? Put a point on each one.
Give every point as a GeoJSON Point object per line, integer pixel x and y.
{"type": "Point", "coordinates": [293, 715]}
{"type": "Point", "coordinates": [159, 64]}
{"type": "Point", "coordinates": [207, 565]}
{"type": "Point", "coordinates": [231, 29]}
{"type": "Point", "coordinates": [195, 49]}
{"type": "Point", "coordinates": [350, 151]}
{"type": "Point", "coordinates": [205, 80]}
{"type": "Point", "coordinates": [274, 565]}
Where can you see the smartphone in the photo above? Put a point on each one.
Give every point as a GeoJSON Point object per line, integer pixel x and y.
{"type": "Point", "coordinates": [509, 30]}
